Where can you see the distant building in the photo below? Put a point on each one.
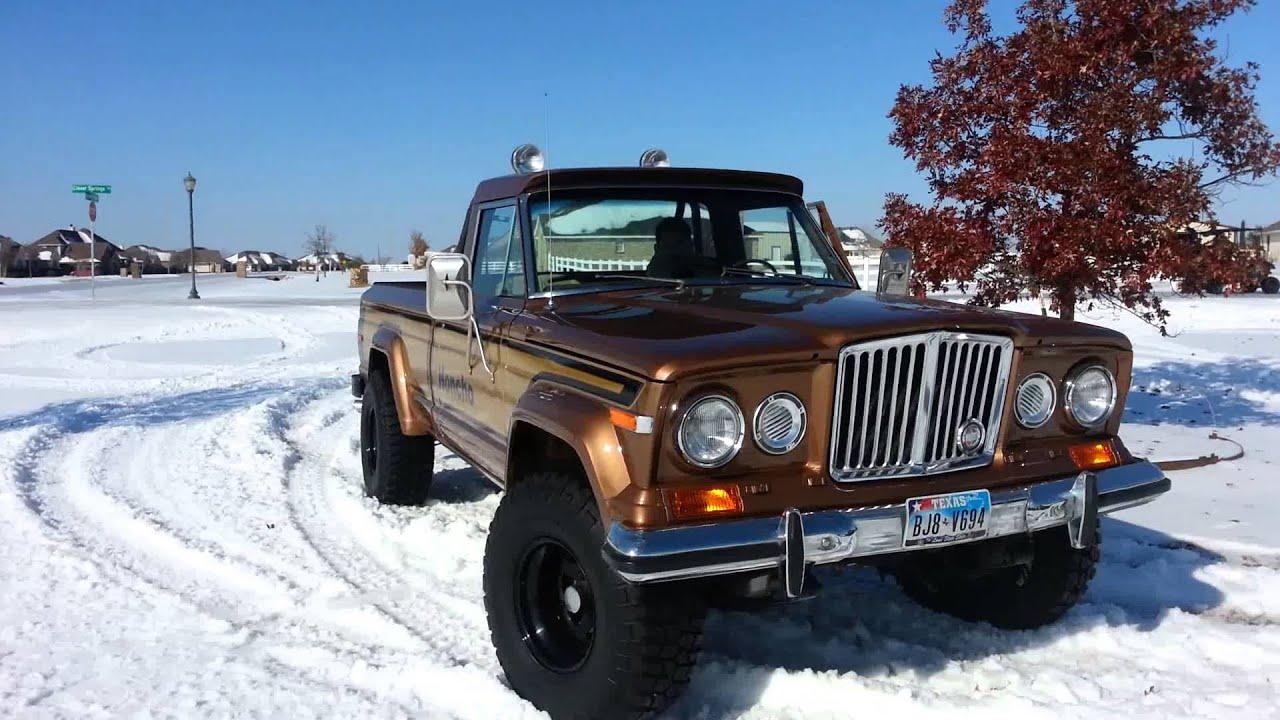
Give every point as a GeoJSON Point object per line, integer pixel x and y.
{"type": "Point", "coordinates": [102, 258]}
{"type": "Point", "coordinates": [54, 254]}
{"type": "Point", "coordinates": [150, 261]}
{"type": "Point", "coordinates": [260, 261]}
{"type": "Point", "coordinates": [1269, 239]}
{"type": "Point", "coordinates": [8, 255]}
{"type": "Point", "coordinates": [329, 261]}
{"type": "Point", "coordinates": [206, 261]}
{"type": "Point", "coordinates": [860, 243]}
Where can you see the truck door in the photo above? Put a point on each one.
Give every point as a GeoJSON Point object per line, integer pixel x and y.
{"type": "Point", "coordinates": [466, 368]}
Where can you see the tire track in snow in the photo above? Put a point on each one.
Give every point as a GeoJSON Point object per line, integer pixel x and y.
{"type": "Point", "coordinates": [420, 611]}
{"type": "Point", "coordinates": [124, 538]}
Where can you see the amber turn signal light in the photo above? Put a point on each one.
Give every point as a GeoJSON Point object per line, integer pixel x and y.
{"type": "Point", "coordinates": [1093, 455]}
{"type": "Point", "coordinates": [688, 503]}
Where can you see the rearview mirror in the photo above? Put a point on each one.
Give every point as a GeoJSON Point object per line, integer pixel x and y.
{"type": "Point", "coordinates": [448, 286]}
{"type": "Point", "coordinates": [895, 272]}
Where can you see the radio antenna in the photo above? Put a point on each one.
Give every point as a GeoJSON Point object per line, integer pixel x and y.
{"type": "Point", "coordinates": [546, 143]}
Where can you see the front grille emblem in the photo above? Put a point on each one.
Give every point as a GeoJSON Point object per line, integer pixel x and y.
{"type": "Point", "coordinates": [970, 435]}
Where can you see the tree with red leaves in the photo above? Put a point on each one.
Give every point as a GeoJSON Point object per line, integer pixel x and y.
{"type": "Point", "coordinates": [1068, 155]}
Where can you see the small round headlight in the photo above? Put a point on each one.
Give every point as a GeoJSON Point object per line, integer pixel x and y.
{"type": "Point", "coordinates": [779, 423]}
{"type": "Point", "coordinates": [711, 431]}
{"type": "Point", "coordinates": [1034, 402]}
{"type": "Point", "coordinates": [1091, 396]}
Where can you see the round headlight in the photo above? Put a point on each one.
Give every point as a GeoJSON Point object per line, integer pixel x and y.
{"type": "Point", "coordinates": [1091, 396]}
{"type": "Point", "coordinates": [779, 423]}
{"type": "Point", "coordinates": [1034, 402]}
{"type": "Point", "coordinates": [711, 431]}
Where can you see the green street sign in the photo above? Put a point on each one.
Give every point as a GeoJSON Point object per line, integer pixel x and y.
{"type": "Point", "coordinates": [91, 196]}
{"type": "Point", "coordinates": [104, 189]}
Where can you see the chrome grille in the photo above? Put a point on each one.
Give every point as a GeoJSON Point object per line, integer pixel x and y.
{"type": "Point", "coordinates": [900, 403]}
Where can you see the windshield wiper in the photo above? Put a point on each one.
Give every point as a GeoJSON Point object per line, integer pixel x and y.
{"type": "Point", "coordinates": [665, 281]}
{"type": "Point", "coordinates": [793, 279]}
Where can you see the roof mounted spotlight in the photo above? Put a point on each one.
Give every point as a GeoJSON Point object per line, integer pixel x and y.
{"type": "Point", "coordinates": [654, 158]}
{"type": "Point", "coordinates": [527, 159]}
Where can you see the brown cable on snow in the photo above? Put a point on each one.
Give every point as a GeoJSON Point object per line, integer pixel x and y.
{"type": "Point", "coordinates": [1203, 460]}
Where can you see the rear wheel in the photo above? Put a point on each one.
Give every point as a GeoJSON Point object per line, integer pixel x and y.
{"type": "Point", "coordinates": [1271, 285]}
{"type": "Point", "coordinates": [1019, 597]}
{"type": "Point", "coordinates": [397, 468]}
{"type": "Point", "coordinates": [573, 637]}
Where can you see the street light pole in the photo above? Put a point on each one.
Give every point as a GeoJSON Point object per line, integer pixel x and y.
{"type": "Point", "coordinates": [190, 183]}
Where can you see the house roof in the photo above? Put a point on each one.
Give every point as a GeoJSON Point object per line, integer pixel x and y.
{"type": "Point", "coordinates": [264, 257]}
{"type": "Point", "coordinates": [80, 251]}
{"type": "Point", "coordinates": [860, 236]}
{"type": "Point", "coordinates": [70, 235]}
{"type": "Point", "coordinates": [1272, 227]}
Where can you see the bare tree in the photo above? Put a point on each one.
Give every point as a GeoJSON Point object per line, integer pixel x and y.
{"type": "Point", "coordinates": [418, 248]}
{"type": "Point", "coordinates": [319, 243]}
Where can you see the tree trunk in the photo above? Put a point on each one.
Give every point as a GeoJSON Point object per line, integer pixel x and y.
{"type": "Point", "coordinates": [1066, 299]}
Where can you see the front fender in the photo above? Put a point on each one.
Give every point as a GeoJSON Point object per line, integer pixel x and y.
{"type": "Point", "coordinates": [582, 422]}
{"type": "Point", "coordinates": [414, 419]}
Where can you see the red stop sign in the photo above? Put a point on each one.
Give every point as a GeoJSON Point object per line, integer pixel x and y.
{"type": "Point", "coordinates": [93, 212]}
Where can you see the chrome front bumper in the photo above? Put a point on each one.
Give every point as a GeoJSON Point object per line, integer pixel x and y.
{"type": "Point", "coordinates": [797, 539]}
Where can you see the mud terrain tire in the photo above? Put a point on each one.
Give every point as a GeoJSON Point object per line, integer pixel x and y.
{"type": "Point", "coordinates": [397, 468]}
{"type": "Point", "coordinates": [1017, 598]}
{"type": "Point", "coordinates": [627, 650]}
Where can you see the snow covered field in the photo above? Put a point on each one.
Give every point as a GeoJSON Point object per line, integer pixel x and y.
{"type": "Point", "coordinates": [183, 534]}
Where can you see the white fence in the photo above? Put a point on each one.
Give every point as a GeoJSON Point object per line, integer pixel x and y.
{"type": "Point", "coordinates": [565, 264]}
{"type": "Point", "coordinates": [392, 272]}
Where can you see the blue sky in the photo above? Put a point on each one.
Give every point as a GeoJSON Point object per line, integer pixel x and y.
{"type": "Point", "coordinates": [376, 119]}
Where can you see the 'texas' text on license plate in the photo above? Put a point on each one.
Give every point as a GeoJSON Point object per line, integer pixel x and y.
{"type": "Point", "coordinates": [939, 519]}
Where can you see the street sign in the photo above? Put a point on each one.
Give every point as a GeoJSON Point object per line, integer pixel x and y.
{"type": "Point", "coordinates": [91, 196]}
{"type": "Point", "coordinates": [104, 189]}
{"type": "Point", "coordinates": [93, 211]}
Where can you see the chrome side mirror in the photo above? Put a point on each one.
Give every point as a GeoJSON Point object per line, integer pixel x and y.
{"type": "Point", "coordinates": [449, 287]}
{"type": "Point", "coordinates": [895, 272]}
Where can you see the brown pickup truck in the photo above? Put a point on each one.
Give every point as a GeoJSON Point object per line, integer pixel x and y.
{"type": "Point", "coordinates": [689, 401]}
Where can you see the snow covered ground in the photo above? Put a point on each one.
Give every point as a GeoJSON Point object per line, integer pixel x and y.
{"type": "Point", "coordinates": [182, 534]}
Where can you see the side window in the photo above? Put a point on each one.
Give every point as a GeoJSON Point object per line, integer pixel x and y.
{"type": "Point", "coordinates": [498, 264]}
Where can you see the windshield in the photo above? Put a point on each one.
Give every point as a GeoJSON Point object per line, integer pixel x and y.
{"type": "Point", "coordinates": [676, 235]}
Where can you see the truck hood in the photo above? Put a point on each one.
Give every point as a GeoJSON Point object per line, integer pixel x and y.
{"type": "Point", "coordinates": [665, 333]}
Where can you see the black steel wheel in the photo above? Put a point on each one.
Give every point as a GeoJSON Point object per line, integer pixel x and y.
{"type": "Point", "coordinates": [555, 606]}
{"type": "Point", "coordinates": [573, 637]}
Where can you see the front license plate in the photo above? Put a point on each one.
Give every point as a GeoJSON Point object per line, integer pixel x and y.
{"type": "Point", "coordinates": [940, 519]}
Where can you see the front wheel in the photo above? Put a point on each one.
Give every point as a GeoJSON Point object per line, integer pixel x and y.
{"type": "Point", "coordinates": [1020, 597]}
{"type": "Point", "coordinates": [573, 637]}
{"type": "Point", "coordinates": [1271, 285]}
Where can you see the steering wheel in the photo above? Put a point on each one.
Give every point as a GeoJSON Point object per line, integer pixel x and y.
{"type": "Point", "coordinates": [743, 263]}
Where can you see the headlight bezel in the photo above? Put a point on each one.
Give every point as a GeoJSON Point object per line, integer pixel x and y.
{"type": "Point", "coordinates": [693, 403]}
{"type": "Point", "coordinates": [1038, 377]}
{"type": "Point", "coordinates": [803, 415]}
{"type": "Point", "coordinates": [1071, 385]}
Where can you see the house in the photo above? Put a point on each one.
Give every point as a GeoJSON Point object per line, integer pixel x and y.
{"type": "Point", "coordinates": [45, 256]}
{"type": "Point", "coordinates": [859, 243]}
{"type": "Point", "coordinates": [8, 255]}
{"type": "Point", "coordinates": [1269, 239]}
{"type": "Point", "coordinates": [206, 261]}
{"type": "Point", "coordinates": [101, 258]}
{"type": "Point", "coordinates": [150, 260]}
{"type": "Point", "coordinates": [260, 261]}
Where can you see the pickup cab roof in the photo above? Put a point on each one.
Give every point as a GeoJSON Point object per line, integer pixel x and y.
{"type": "Point", "coordinates": [508, 186]}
